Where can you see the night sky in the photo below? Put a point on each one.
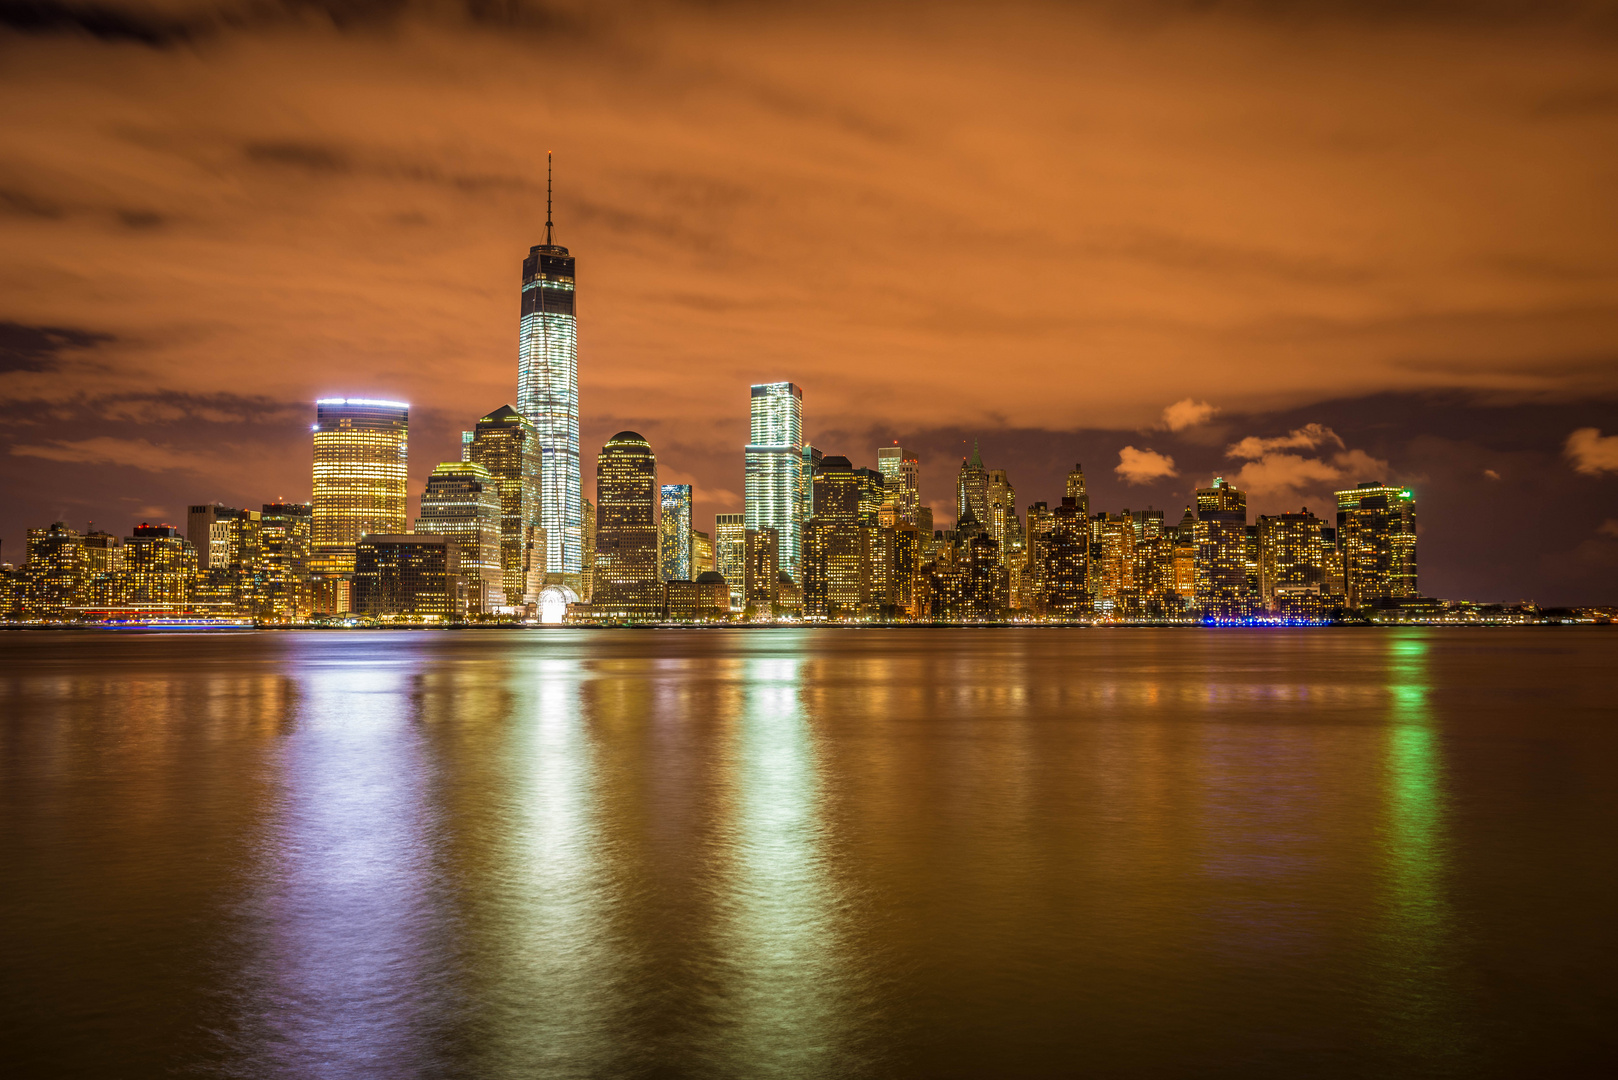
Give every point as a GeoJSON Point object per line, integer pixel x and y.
{"type": "Point", "coordinates": [1298, 245]}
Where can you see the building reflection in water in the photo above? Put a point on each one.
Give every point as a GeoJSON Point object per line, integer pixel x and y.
{"type": "Point", "coordinates": [1417, 932]}
{"type": "Point", "coordinates": [348, 976]}
{"type": "Point", "coordinates": [547, 905]}
{"type": "Point", "coordinates": [778, 930]}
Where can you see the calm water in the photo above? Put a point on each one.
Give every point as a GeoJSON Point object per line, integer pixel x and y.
{"type": "Point", "coordinates": [922, 853]}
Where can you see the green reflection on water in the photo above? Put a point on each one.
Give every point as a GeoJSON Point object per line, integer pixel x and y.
{"type": "Point", "coordinates": [1420, 1007]}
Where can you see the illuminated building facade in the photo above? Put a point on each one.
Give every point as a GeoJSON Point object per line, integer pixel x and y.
{"type": "Point", "coordinates": [160, 570]}
{"type": "Point", "coordinates": [775, 460]}
{"type": "Point", "coordinates": [103, 569]}
{"type": "Point", "coordinates": [702, 558]}
{"type": "Point", "coordinates": [972, 489]}
{"type": "Point", "coordinates": [1067, 561]}
{"type": "Point", "coordinates": [674, 533]}
{"type": "Point", "coordinates": [285, 546]}
{"type": "Point", "coordinates": [463, 502]}
{"type": "Point", "coordinates": [1221, 560]}
{"type": "Point", "coordinates": [1116, 534]}
{"type": "Point", "coordinates": [901, 474]}
{"type": "Point", "coordinates": [627, 583]}
{"type": "Point", "coordinates": [506, 443]}
{"type": "Point", "coordinates": [1037, 556]}
{"type": "Point", "coordinates": [1076, 491]}
{"type": "Point", "coordinates": [361, 477]}
{"type": "Point", "coordinates": [548, 395]}
{"type": "Point", "coordinates": [1376, 532]}
{"type": "Point", "coordinates": [408, 575]}
{"type": "Point", "coordinates": [730, 554]}
{"type": "Point", "coordinates": [761, 581]}
{"type": "Point", "coordinates": [589, 575]}
{"type": "Point", "coordinates": [1291, 559]}
{"type": "Point", "coordinates": [55, 575]}
{"type": "Point", "coordinates": [837, 556]}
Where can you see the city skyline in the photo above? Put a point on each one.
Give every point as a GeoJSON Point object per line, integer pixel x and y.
{"type": "Point", "coordinates": [1325, 310]}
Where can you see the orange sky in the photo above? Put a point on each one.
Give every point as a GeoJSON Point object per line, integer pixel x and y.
{"type": "Point", "coordinates": [1042, 217]}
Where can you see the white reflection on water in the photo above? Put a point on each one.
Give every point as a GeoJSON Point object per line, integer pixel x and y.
{"type": "Point", "coordinates": [347, 983]}
{"type": "Point", "coordinates": [558, 964]}
{"type": "Point", "coordinates": [778, 931]}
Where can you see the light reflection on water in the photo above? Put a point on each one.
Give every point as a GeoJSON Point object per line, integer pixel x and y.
{"type": "Point", "coordinates": [800, 853]}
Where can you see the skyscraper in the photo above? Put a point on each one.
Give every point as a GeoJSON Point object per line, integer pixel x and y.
{"type": "Point", "coordinates": [1291, 560]}
{"type": "Point", "coordinates": [627, 584]}
{"type": "Point", "coordinates": [286, 560]}
{"type": "Point", "coordinates": [730, 553]}
{"type": "Point", "coordinates": [361, 472]}
{"type": "Point", "coordinates": [1221, 532]}
{"type": "Point", "coordinates": [462, 501]}
{"type": "Point", "coordinates": [507, 444]}
{"type": "Point", "coordinates": [1376, 532]}
{"type": "Point", "coordinates": [901, 472]}
{"type": "Point", "coordinates": [837, 556]}
{"type": "Point", "coordinates": [548, 394]}
{"type": "Point", "coordinates": [674, 533]}
{"type": "Point", "coordinates": [1076, 491]}
{"type": "Point", "coordinates": [972, 490]}
{"type": "Point", "coordinates": [775, 469]}
{"type": "Point", "coordinates": [1066, 546]}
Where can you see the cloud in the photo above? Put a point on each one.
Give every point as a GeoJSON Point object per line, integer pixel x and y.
{"type": "Point", "coordinates": [1272, 471]}
{"type": "Point", "coordinates": [1305, 438]}
{"type": "Point", "coordinates": [1187, 413]}
{"type": "Point", "coordinates": [1491, 474]}
{"type": "Point", "coordinates": [1591, 452]}
{"type": "Point", "coordinates": [1279, 474]}
{"type": "Point", "coordinates": [105, 450]}
{"type": "Point", "coordinates": [1609, 528]}
{"type": "Point", "coordinates": [1144, 466]}
{"type": "Point", "coordinates": [36, 348]}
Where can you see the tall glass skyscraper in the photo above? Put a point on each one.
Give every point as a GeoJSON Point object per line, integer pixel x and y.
{"type": "Point", "coordinates": [548, 394]}
{"type": "Point", "coordinates": [674, 534]}
{"type": "Point", "coordinates": [774, 482]}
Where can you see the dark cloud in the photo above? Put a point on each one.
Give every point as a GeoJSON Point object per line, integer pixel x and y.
{"type": "Point", "coordinates": [104, 22]}
{"type": "Point", "coordinates": [315, 157]}
{"type": "Point", "coordinates": [39, 348]}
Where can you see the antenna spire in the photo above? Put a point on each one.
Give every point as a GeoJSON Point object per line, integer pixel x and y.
{"type": "Point", "coordinates": [548, 198]}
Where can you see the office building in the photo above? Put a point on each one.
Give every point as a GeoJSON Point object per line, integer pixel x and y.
{"type": "Point", "coordinates": [284, 540]}
{"type": "Point", "coordinates": [587, 578]}
{"type": "Point", "coordinates": [548, 395]}
{"type": "Point", "coordinates": [463, 502]}
{"type": "Point", "coordinates": [55, 575]}
{"type": "Point", "coordinates": [410, 576]}
{"type": "Point", "coordinates": [730, 554]}
{"type": "Point", "coordinates": [1291, 558]}
{"type": "Point", "coordinates": [901, 472]}
{"type": "Point", "coordinates": [674, 533]}
{"type": "Point", "coordinates": [1076, 491]}
{"type": "Point", "coordinates": [628, 584]}
{"type": "Point", "coordinates": [160, 570]}
{"type": "Point", "coordinates": [702, 553]}
{"type": "Point", "coordinates": [361, 477]}
{"type": "Point", "coordinates": [506, 443]}
{"type": "Point", "coordinates": [1115, 534]}
{"type": "Point", "coordinates": [775, 460]}
{"type": "Point", "coordinates": [1376, 532]}
{"type": "Point", "coordinates": [837, 555]}
{"type": "Point", "coordinates": [761, 581]}
{"type": "Point", "coordinates": [1221, 560]}
{"type": "Point", "coordinates": [972, 490]}
{"type": "Point", "coordinates": [1067, 561]}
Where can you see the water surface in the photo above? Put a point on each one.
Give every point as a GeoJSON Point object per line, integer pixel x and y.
{"type": "Point", "coordinates": [815, 853]}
